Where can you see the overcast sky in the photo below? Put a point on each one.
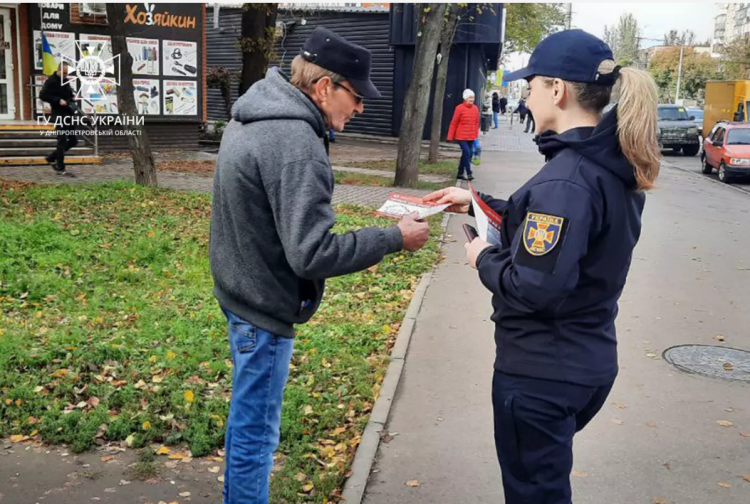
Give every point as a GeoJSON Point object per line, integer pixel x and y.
{"type": "Point", "coordinates": [654, 20]}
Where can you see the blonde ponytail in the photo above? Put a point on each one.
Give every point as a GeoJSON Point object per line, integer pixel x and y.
{"type": "Point", "coordinates": [637, 124]}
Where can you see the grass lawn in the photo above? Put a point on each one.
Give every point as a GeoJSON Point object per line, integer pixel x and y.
{"type": "Point", "coordinates": [448, 167]}
{"type": "Point", "coordinates": [109, 332]}
{"type": "Point", "coordinates": [363, 179]}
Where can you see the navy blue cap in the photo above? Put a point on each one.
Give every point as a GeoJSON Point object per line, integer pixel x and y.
{"type": "Point", "coordinates": [571, 55]}
{"type": "Point", "coordinates": [335, 53]}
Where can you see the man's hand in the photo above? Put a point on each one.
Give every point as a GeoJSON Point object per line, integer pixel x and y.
{"type": "Point", "coordinates": [459, 199]}
{"type": "Point", "coordinates": [473, 250]}
{"type": "Point", "coordinates": [415, 233]}
{"type": "Point", "coordinates": [63, 103]}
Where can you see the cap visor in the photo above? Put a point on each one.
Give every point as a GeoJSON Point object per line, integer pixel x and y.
{"type": "Point", "coordinates": [523, 73]}
{"type": "Point", "coordinates": [365, 88]}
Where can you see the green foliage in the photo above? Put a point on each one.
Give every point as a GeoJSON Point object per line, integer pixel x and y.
{"type": "Point", "coordinates": [623, 39]}
{"type": "Point", "coordinates": [735, 62]}
{"type": "Point", "coordinates": [526, 24]}
{"type": "Point", "coordinates": [696, 70]}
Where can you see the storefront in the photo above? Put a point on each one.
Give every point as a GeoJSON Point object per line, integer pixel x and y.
{"type": "Point", "coordinates": [167, 45]}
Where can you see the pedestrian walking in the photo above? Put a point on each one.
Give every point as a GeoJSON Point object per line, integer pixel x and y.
{"type": "Point", "coordinates": [495, 110]}
{"type": "Point", "coordinates": [530, 124]}
{"type": "Point", "coordinates": [271, 245]}
{"type": "Point", "coordinates": [59, 95]}
{"type": "Point", "coordinates": [567, 241]}
{"type": "Point", "coordinates": [522, 110]}
{"type": "Point", "coordinates": [464, 129]}
{"type": "Point", "coordinates": [503, 105]}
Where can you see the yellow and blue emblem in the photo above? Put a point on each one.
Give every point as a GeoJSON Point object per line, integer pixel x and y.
{"type": "Point", "coordinates": [541, 233]}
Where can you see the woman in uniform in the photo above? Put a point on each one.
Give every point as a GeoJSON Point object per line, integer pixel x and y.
{"type": "Point", "coordinates": [567, 240]}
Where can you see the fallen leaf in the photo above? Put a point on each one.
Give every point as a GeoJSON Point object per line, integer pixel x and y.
{"type": "Point", "coordinates": [110, 490]}
{"type": "Point", "coordinates": [745, 433]}
{"type": "Point", "coordinates": [107, 459]}
{"type": "Point", "coordinates": [337, 431]}
{"type": "Point", "coordinates": [124, 482]}
{"type": "Point", "coordinates": [177, 456]}
{"type": "Point", "coordinates": [724, 423]}
{"type": "Point", "coordinates": [162, 451]}
{"type": "Point", "coordinates": [658, 500]}
{"type": "Point", "coordinates": [719, 337]}
{"type": "Point", "coordinates": [413, 483]}
{"type": "Point", "coordinates": [729, 410]}
{"type": "Point", "coordinates": [17, 438]}
{"type": "Point", "coordinates": [746, 478]}
{"type": "Point", "coordinates": [650, 355]}
{"type": "Point", "coordinates": [189, 396]}
{"type": "Point", "coordinates": [220, 479]}
{"type": "Point", "coordinates": [307, 410]}
{"type": "Point", "coordinates": [185, 494]}
{"type": "Point", "coordinates": [214, 469]}
{"type": "Point", "coordinates": [724, 484]}
{"type": "Point", "coordinates": [146, 425]}
{"type": "Point", "coordinates": [619, 406]}
{"type": "Point", "coordinates": [617, 421]}
{"type": "Point", "coordinates": [728, 366]}
{"type": "Point", "coordinates": [308, 487]}
{"type": "Point", "coordinates": [651, 424]}
{"type": "Point", "coordinates": [130, 440]}
{"type": "Point", "coordinates": [300, 476]}
{"type": "Point", "coordinates": [580, 474]}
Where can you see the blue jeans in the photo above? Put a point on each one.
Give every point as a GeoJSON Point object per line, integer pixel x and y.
{"type": "Point", "coordinates": [261, 368]}
{"type": "Point", "coordinates": [496, 119]}
{"type": "Point", "coordinates": [465, 163]}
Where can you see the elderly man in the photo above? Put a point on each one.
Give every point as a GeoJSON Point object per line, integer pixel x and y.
{"type": "Point", "coordinates": [59, 95]}
{"type": "Point", "coordinates": [271, 243]}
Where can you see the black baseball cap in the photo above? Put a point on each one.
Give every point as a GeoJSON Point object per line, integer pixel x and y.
{"type": "Point", "coordinates": [335, 53]}
{"type": "Point", "coordinates": [571, 55]}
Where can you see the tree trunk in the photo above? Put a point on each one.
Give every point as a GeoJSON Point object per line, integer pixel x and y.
{"type": "Point", "coordinates": [256, 42]}
{"type": "Point", "coordinates": [446, 41]}
{"type": "Point", "coordinates": [140, 148]}
{"type": "Point", "coordinates": [418, 95]}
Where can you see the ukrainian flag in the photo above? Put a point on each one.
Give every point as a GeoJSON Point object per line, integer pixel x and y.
{"type": "Point", "coordinates": [49, 65]}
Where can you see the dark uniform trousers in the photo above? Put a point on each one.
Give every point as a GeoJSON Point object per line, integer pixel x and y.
{"type": "Point", "coordinates": [535, 421]}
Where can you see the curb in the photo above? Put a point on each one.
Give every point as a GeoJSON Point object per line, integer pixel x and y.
{"type": "Point", "coordinates": [700, 176]}
{"type": "Point", "coordinates": [364, 458]}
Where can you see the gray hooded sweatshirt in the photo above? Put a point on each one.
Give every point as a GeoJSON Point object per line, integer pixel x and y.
{"type": "Point", "coordinates": [271, 244]}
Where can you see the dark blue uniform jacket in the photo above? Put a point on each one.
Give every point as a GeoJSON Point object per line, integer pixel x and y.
{"type": "Point", "coordinates": [568, 238]}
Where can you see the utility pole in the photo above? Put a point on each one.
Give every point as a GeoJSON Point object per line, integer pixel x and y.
{"type": "Point", "coordinates": [570, 15]}
{"type": "Point", "coordinates": [679, 76]}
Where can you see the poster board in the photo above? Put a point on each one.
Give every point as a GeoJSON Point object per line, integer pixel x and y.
{"type": "Point", "coordinates": [60, 43]}
{"type": "Point", "coordinates": [179, 58]}
{"type": "Point", "coordinates": [147, 96]}
{"type": "Point", "coordinates": [95, 45]}
{"type": "Point", "coordinates": [180, 98]}
{"type": "Point", "coordinates": [145, 53]}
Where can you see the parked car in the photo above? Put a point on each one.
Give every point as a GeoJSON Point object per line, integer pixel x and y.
{"type": "Point", "coordinates": [677, 131]}
{"type": "Point", "coordinates": [512, 105]}
{"type": "Point", "coordinates": [727, 148]}
{"type": "Point", "coordinates": [698, 114]}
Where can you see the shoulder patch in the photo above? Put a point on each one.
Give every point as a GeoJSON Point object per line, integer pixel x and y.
{"type": "Point", "coordinates": [541, 233]}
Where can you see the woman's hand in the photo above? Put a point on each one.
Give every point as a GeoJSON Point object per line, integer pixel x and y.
{"type": "Point", "coordinates": [473, 250]}
{"type": "Point", "coordinates": [458, 199]}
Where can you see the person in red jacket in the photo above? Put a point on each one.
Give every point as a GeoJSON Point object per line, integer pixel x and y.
{"type": "Point", "coordinates": [465, 129]}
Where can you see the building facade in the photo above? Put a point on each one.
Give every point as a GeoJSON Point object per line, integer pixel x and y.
{"type": "Point", "coordinates": [165, 41]}
{"type": "Point", "coordinates": [732, 22]}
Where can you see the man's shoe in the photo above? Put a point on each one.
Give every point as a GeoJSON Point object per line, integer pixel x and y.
{"type": "Point", "coordinates": [470, 177]}
{"type": "Point", "coordinates": [461, 177]}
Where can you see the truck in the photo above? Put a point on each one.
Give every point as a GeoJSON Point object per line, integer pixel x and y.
{"type": "Point", "coordinates": [726, 101]}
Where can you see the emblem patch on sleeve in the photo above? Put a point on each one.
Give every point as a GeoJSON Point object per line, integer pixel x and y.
{"type": "Point", "coordinates": [541, 233]}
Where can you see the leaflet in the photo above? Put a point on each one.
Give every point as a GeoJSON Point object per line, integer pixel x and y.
{"type": "Point", "coordinates": [488, 221]}
{"type": "Point", "coordinates": [398, 205]}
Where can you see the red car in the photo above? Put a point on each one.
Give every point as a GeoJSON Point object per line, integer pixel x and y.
{"type": "Point", "coordinates": [727, 148]}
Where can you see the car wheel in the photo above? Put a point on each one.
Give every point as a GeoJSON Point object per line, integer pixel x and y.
{"type": "Point", "coordinates": [691, 150]}
{"type": "Point", "coordinates": [707, 168]}
{"type": "Point", "coordinates": [723, 175]}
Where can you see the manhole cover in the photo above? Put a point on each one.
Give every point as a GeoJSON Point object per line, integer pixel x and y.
{"type": "Point", "coordinates": [714, 361]}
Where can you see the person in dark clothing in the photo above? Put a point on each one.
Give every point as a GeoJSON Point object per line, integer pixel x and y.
{"type": "Point", "coordinates": [522, 110]}
{"type": "Point", "coordinates": [60, 96]}
{"type": "Point", "coordinates": [530, 125]}
{"type": "Point", "coordinates": [503, 105]}
{"type": "Point", "coordinates": [566, 245]}
{"type": "Point", "coordinates": [495, 109]}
